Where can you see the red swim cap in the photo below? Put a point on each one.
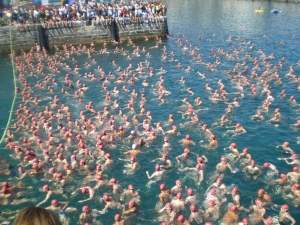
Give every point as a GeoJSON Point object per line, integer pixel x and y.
{"type": "Point", "coordinates": [157, 167]}
{"type": "Point", "coordinates": [285, 206]}
{"type": "Point", "coordinates": [213, 191]}
{"type": "Point", "coordinates": [261, 191]}
{"type": "Point", "coordinates": [211, 202]}
{"type": "Point", "coordinates": [233, 208]}
{"type": "Point", "coordinates": [235, 190]}
{"type": "Point", "coordinates": [186, 150]}
{"type": "Point", "coordinates": [117, 217]}
{"type": "Point", "coordinates": [162, 187]}
{"type": "Point", "coordinates": [106, 197]}
{"type": "Point", "coordinates": [178, 196]}
{"type": "Point", "coordinates": [180, 219]}
{"type": "Point", "coordinates": [85, 208]}
{"type": "Point", "coordinates": [193, 208]}
{"type": "Point", "coordinates": [54, 202]}
{"type": "Point", "coordinates": [245, 221]}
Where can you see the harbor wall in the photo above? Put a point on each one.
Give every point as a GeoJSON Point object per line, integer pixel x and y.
{"type": "Point", "coordinates": [78, 33]}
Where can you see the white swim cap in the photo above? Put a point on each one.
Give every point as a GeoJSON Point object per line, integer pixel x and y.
{"type": "Point", "coordinates": [133, 146]}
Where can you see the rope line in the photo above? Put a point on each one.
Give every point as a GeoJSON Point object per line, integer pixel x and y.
{"type": "Point", "coordinates": [15, 87]}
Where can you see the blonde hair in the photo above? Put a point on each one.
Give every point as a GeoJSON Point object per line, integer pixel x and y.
{"type": "Point", "coordinates": [37, 216]}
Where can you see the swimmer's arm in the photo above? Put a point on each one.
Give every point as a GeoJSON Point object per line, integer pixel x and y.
{"type": "Point", "coordinates": [229, 166]}
{"type": "Point", "coordinates": [46, 199]}
{"type": "Point", "coordinates": [149, 177]}
{"type": "Point", "coordinates": [66, 204]}
{"type": "Point", "coordinates": [160, 211]}
{"type": "Point", "coordinates": [154, 160]}
{"type": "Point", "coordinates": [74, 192]}
{"type": "Point", "coordinates": [208, 189]}
{"type": "Point", "coordinates": [126, 160]}
{"type": "Point", "coordinates": [260, 172]}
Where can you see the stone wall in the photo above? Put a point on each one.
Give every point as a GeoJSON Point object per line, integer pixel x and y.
{"type": "Point", "coordinates": [79, 33]}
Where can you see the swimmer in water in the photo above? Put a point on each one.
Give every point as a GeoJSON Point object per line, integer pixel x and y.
{"type": "Point", "coordinates": [252, 171]}
{"type": "Point", "coordinates": [284, 216]}
{"type": "Point", "coordinates": [286, 149]}
{"type": "Point", "coordinates": [198, 170]}
{"type": "Point", "coordinates": [157, 174]}
{"type": "Point", "coordinates": [166, 163]}
{"type": "Point", "coordinates": [294, 158]}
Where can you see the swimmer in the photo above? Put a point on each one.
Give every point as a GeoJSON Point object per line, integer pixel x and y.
{"type": "Point", "coordinates": [294, 176]}
{"type": "Point", "coordinates": [231, 216]}
{"type": "Point", "coordinates": [272, 168]}
{"type": "Point", "coordinates": [166, 163]}
{"type": "Point", "coordinates": [157, 174]}
{"type": "Point", "coordinates": [281, 182]}
{"type": "Point", "coordinates": [233, 149]}
{"type": "Point", "coordinates": [286, 148]}
{"type": "Point", "coordinates": [109, 204]}
{"type": "Point", "coordinates": [258, 212]}
{"type": "Point", "coordinates": [245, 155]}
{"type": "Point", "coordinates": [264, 197]}
{"type": "Point", "coordinates": [252, 170]}
{"type": "Point", "coordinates": [178, 203]}
{"type": "Point", "coordinates": [187, 141]}
{"type": "Point", "coordinates": [170, 213]}
{"type": "Point", "coordinates": [119, 220]}
{"type": "Point", "coordinates": [221, 168]}
{"type": "Point", "coordinates": [258, 116]}
{"type": "Point", "coordinates": [295, 160]}
{"type": "Point", "coordinates": [198, 170]}
{"type": "Point", "coordinates": [212, 213]}
{"type": "Point", "coordinates": [133, 164]}
{"type": "Point", "coordinates": [85, 190]}
{"type": "Point", "coordinates": [284, 216]}
{"type": "Point", "coordinates": [184, 156]}
{"type": "Point", "coordinates": [130, 193]}
{"type": "Point", "coordinates": [165, 193]}
{"type": "Point", "coordinates": [60, 207]}
{"type": "Point", "coordinates": [213, 144]}
{"type": "Point", "coordinates": [49, 192]}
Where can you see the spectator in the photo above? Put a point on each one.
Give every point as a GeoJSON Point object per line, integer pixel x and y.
{"type": "Point", "coordinates": [37, 216]}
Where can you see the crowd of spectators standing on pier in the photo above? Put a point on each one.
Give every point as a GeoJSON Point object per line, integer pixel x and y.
{"type": "Point", "coordinates": [96, 13]}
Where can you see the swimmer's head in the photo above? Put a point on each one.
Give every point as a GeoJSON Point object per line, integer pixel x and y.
{"type": "Point", "coordinates": [178, 183]}
{"type": "Point", "coordinates": [286, 144]}
{"type": "Point", "coordinates": [213, 191]}
{"type": "Point", "coordinates": [261, 191]}
{"type": "Point", "coordinates": [245, 221]}
{"type": "Point", "coordinates": [84, 190]}
{"type": "Point", "coordinates": [233, 145]}
{"type": "Point", "coordinates": [294, 156]}
{"type": "Point", "coordinates": [212, 136]}
{"type": "Point", "coordinates": [295, 169]}
{"type": "Point", "coordinates": [211, 202]}
{"type": "Point", "coordinates": [283, 176]}
{"type": "Point", "coordinates": [219, 181]}
{"type": "Point", "coordinates": [285, 207]}
{"type": "Point", "coordinates": [223, 159]}
{"type": "Point", "coordinates": [235, 190]}
{"type": "Point", "coordinates": [46, 187]}
{"type": "Point", "coordinates": [157, 167]}
{"type": "Point", "coordinates": [233, 208]}
{"type": "Point", "coordinates": [85, 208]}
{"type": "Point", "coordinates": [186, 150]}
{"type": "Point", "coordinates": [193, 208]}
{"type": "Point", "coordinates": [266, 165]}
{"type": "Point", "coordinates": [54, 202]}
{"type": "Point", "coordinates": [117, 217]}
{"type": "Point", "coordinates": [178, 196]}
{"type": "Point", "coordinates": [106, 197]}
{"type": "Point", "coordinates": [180, 219]}
{"type": "Point", "coordinates": [245, 150]}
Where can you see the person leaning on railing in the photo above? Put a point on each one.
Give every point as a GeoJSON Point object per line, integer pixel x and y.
{"type": "Point", "coordinates": [37, 216]}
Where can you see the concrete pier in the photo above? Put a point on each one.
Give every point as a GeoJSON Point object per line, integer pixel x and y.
{"type": "Point", "coordinates": [79, 33]}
